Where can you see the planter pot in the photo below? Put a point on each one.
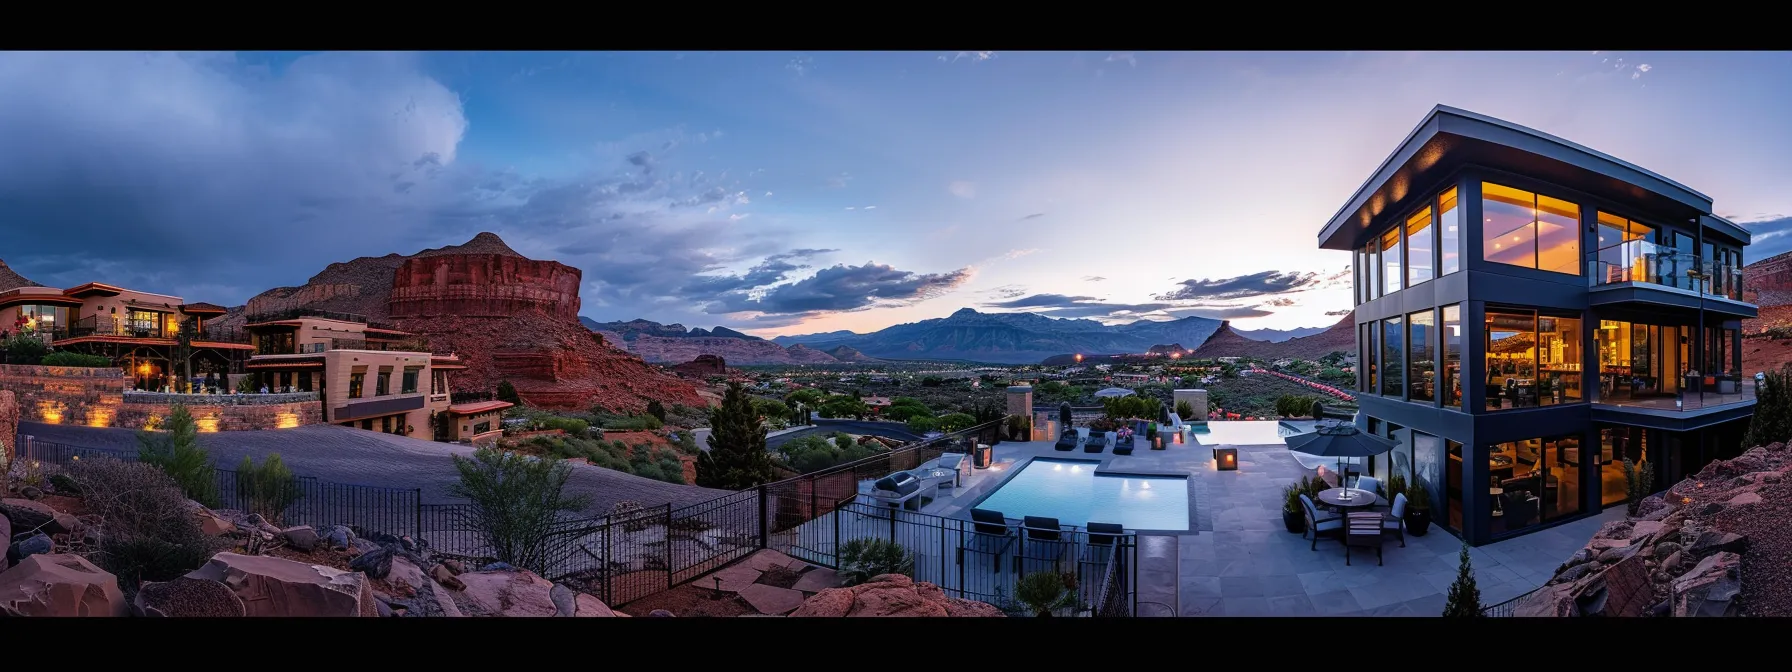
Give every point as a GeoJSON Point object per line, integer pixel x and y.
{"type": "Point", "coordinates": [1294, 521]}
{"type": "Point", "coordinates": [1418, 521]}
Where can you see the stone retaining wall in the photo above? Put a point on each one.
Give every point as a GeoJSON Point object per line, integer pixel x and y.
{"type": "Point", "coordinates": [95, 397]}
{"type": "Point", "coordinates": [9, 425]}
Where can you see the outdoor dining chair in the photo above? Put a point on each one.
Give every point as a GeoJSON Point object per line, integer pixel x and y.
{"type": "Point", "coordinates": [1331, 525]}
{"type": "Point", "coordinates": [1043, 540]}
{"type": "Point", "coordinates": [990, 534]}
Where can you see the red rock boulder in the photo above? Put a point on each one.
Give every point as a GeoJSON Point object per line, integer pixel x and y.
{"type": "Point", "coordinates": [270, 586]}
{"type": "Point", "coordinates": [891, 595]}
{"type": "Point", "coordinates": [59, 585]}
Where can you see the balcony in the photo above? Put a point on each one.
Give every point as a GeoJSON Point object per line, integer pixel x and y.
{"type": "Point", "coordinates": [298, 313]}
{"type": "Point", "coordinates": [271, 346]}
{"type": "Point", "coordinates": [1700, 401]}
{"type": "Point", "coordinates": [1643, 271]}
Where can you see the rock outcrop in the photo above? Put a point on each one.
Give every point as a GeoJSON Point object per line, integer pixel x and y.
{"type": "Point", "coordinates": [9, 428]}
{"type": "Point", "coordinates": [891, 595]}
{"type": "Point", "coordinates": [10, 279]}
{"type": "Point", "coordinates": [702, 367]}
{"type": "Point", "coordinates": [1715, 544]}
{"type": "Point", "coordinates": [270, 586]}
{"type": "Point", "coordinates": [507, 317]}
{"type": "Point", "coordinates": [1226, 343]}
{"type": "Point", "coordinates": [186, 597]}
{"type": "Point", "coordinates": [59, 585]}
{"type": "Point", "coordinates": [521, 593]}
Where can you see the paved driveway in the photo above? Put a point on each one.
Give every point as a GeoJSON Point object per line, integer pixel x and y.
{"type": "Point", "coordinates": [343, 455]}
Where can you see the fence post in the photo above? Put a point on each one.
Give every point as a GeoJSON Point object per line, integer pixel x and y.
{"type": "Point", "coordinates": [417, 505]}
{"type": "Point", "coordinates": [671, 569]}
{"type": "Point", "coordinates": [764, 520]}
{"type": "Point", "coordinates": [608, 578]}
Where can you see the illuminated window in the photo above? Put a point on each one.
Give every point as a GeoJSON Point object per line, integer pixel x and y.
{"type": "Point", "coordinates": [1390, 261]}
{"type": "Point", "coordinates": [1449, 222]}
{"type": "Point", "coordinates": [1452, 347]}
{"type": "Point", "coordinates": [1532, 359]}
{"type": "Point", "coordinates": [356, 382]}
{"type": "Point", "coordinates": [1521, 228]}
{"type": "Point", "coordinates": [410, 380]}
{"type": "Point", "coordinates": [1419, 247]}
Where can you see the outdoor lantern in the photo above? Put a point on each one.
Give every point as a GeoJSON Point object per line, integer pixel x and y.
{"type": "Point", "coordinates": [980, 456]}
{"type": "Point", "coordinates": [1227, 459]}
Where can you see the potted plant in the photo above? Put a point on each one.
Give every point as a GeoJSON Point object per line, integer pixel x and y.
{"type": "Point", "coordinates": [1293, 514]}
{"type": "Point", "coordinates": [1418, 509]}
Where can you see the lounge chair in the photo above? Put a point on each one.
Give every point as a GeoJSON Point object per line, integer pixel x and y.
{"type": "Point", "coordinates": [1043, 540]}
{"type": "Point", "coordinates": [898, 489]}
{"type": "Point", "coordinates": [1067, 441]}
{"type": "Point", "coordinates": [1395, 520]}
{"type": "Point", "coordinates": [1122, 448]}
{"type": "Point", "coordinates": [990, 534]}
{"type": "Point", "coordinates": [1098, 445]}
{"type": "Point", "coordinates": [1317, 524]}
{"type": "Point", "coordinates": [1102, 537]}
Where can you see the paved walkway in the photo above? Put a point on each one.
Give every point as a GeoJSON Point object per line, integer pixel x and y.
{"type": "Point", "coordinates": [355, 456]}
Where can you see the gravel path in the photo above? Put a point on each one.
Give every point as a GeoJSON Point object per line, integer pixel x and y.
{"type": "Point", "coordinates": [360, 457]}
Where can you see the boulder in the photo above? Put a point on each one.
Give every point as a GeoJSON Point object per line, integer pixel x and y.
{"type": "Point", "coordinates": [443, 602]}
{"type": "Point", "coordinates": [444, 576]}
{"type": "Point", "coordinates": [338, 537]}
{"type": "Point", "coordinates": [516, 593]}
{"type": "Point", "coordinates": [1617, 529]}
{"type": "Point", "coordinates": [375, 562]}
{"type": "Point", "coordinates": [59, 585]}
{"type": "Point", "coordinates": [272, 586]}
{"type": "Point", "coordinates": [28, 544]}
{"type": "Point", "coordinates": [27, 515]}
{"type": "Point", "coordinates": [1713, 541]}
{"type": "Point", "coordinates": [588, 606]}
{"type": "Point", "coordinates": [891, 595]}
{"type": "Point", "coordinates": [1745, 499]}
{"type": "Point", "coordinates": [405, 573]}
{"type": "Point", "coordinates": [454, 566]}
{"type": "Point", "coordinates": [32, 493]}
{"type": "Point", "coordinates": [1710, 589]}
{"type": "Point", "coordinates": [1643, 530]}
{"type": "Point", "coordinates": [212, 524]}
{"type": "Point", "coordinates": [185, 597]}
{"type": "Point", "coordinates": [301, 537]}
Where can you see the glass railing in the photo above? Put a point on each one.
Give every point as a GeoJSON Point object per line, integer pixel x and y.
{"type": "Point", "coordinates": [347, 344]}
{"type": "Point", "coordinates": [1646, 262]}
{"type": "Point", "coordinates": [1690, 392]}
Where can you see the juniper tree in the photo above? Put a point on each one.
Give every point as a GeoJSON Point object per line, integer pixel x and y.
{"type": "Point", "coordinates": [1464, 600]}
{"type": "Point", "coordinates": [737, 458]}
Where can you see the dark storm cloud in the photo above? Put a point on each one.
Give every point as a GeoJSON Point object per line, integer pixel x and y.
{"type": "Point", "coordinates": [774, 269]}
{"type": "Point", "coordinates": [1232, 313]}
{"type": "Point", "coordinates": [1770, 237]}
{"type": "Point", "coordinates": [1265, 283]}
{"type": "Point", "coordinates": [1043, 301]}
{"type": "Point", "coordinates": [842, 288]}
{"type": "Point", "coordinates": [1060, 305]}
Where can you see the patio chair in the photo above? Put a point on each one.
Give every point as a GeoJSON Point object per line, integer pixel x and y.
{"type": "Point", "coordinates": [1067, 440]}
{"type": "Point", "coordinates": [1395, 520]}
{"type": "Point", "coordinates": [1331, 525]}
{"type": "Point", "coordinates": [958, 465]}
{"type": "Point", "coordinates": [1102, 536]}
{"type": "Point", "coordinates": [1363, 529]}
{"type": "Point", "coordinates": [1123, 448]}
{"type": "Point", "coordinates": [1098, 445]}
{"type": "Point", "coordinates": [1042, 539]}
{"type": "Point", "coordinates": [1367, 483]}
{"type": "Point", "coordinates": [898, 489]}
{"type": "Point", "coordinates": [990, 534]}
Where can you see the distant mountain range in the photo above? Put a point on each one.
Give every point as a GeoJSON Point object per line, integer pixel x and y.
{"type": "Point", "coordinates": [1278, 335]}
{"type": "Point", "coordinates": [675, 344]}
{"type": "Point", "coordinates": [1226, 342]}
{"type": "Point", "coordinates": [1009, 338]}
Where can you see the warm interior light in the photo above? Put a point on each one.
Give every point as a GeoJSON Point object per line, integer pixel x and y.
{"type": "Point", "coordinates": [286, 420]}
{"type": "Point", "coordinates": [99, 416]}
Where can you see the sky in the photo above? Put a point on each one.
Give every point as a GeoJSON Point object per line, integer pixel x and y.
{"type": "Point", "coordinates": [786, 193]}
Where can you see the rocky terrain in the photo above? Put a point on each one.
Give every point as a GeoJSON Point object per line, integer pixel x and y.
{"type": "Point", "coordinates": [1009, 338]}
{"type": "Point", "coordinates": [508, 317]}
{"type": "Point", "coordinates": [10, 279]}
{"type": "Point", "coordinates": [1228, 343]}
{"type": "Point", "coordinates": [1768, 284]}
{"type": "Point", "coordinates": [673, 343]}
{"type": "Point", "coordinates": [1715, 544]}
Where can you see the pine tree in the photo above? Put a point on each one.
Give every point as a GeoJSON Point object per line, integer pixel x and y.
{"type": "Point", "coordinates": [176, 451]}
{"type": "Point", "coordinates": [1464, 600]}
{"type": "Point", "coordinates": [737, 458]}
{"type": "Point", "coordinates": [656, 409]}
{"type": "Point", "coordinates": [507, 392]}
{"type": "Point", "coordinates": [1772, 421]}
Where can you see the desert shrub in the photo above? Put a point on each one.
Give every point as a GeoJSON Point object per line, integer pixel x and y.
{"type": "Point", "coordinates": [572, 426]}
{"type": "Point", "coordinates": [246, 385]}
{"type": "Point", "coordinates": [629, 423]}
{"type": "Point", "coordinates": [814, 453]}
{"type": "Point", "coordinates": [76, 359]}
{"type": "Point", "coordinates": [176, 451]}
{"type": "Point", "coordinates": [687, 443]}
{"type": "Point", "coordinates": [517, 502]}
{"type": "Point", "coordinates": [1046, 592]}
{"type": "Point", "coordinates": [268, 489]}
{"type": "Point", "coordinates": [956, 421]}
{"type": "Point", "coordinates": [865, 558]}
{"type": "Point", "coordinates": [1186, 410]}
{"type": "Point", "coordinates": [923, 424]}
{"type": "Point", "coordinates": [609, 455]}
{"type": "Point", "coordinates": [656, 409]}
{"type": "Point", "coordinates": [64, 484]}
{"type": "Point", "coordinates": [23, 349]}
{"type": "Point", "coordinates": [1639, 482]}
{"type": "Point", "coordinates": [507, 392]}
{"type": "Point", "coordinates": [148, 531]}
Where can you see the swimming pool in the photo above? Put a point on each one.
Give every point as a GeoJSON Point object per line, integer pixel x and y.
{"type": "Point", "coordinates": [1072, 492]}
{"type": "Point", "coordinates": [1243, 433]}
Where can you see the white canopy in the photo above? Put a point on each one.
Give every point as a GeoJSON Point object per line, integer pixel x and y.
{"type": "Point", "coordinates": [1114, 392]}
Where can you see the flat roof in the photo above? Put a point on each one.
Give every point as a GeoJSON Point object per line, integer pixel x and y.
{"type": "Point", "coordinates": [479, 407]}
{"type": "Point", "coordinates": [1447, 132]}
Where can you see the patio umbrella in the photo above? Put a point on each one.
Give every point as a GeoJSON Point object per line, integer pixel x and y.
{"type": "Point", "coordinates": [1339, 439]}
{"type": "Point", "coordinates": [1114, 392]}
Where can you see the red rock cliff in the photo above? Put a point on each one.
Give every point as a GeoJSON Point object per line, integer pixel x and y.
{"type": "Point", "coordinates": [483, 285]}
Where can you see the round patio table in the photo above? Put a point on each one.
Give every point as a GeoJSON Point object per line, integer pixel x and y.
{"type": "Point", "coordinates": [1358, 498]}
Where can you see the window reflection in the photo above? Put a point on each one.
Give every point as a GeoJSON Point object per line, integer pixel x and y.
{"type": "Point", "coordinates": [1525, 229]}
{"type": "Point", "coordinates": [1511, 359]}
{"type": "Point", "coordinates": [1393, 352]}
{"type": "Point", "coordinates": [1419, 247]}
{"type": "Point", "coordinates": [1452, 347]}
{"type": "Point", "coordinates": [1559, 359]}
{"type": "Point", "coordinates": [1390, 260]}
{"type": "Point", "coordinates": [1421, 364]}
{"type": "Point", "coordinates": [1450, 231]}
{"type": "Point", "coordinates": [1533, 481]}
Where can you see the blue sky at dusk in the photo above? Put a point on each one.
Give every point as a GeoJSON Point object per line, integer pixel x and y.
{"type": "Point", "coordinates": [797, 192]}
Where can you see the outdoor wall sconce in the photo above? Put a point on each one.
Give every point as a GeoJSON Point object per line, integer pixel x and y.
{"type": "Point", "coordinates": [1227, 458]}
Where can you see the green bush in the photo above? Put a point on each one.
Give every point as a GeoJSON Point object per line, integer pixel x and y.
{"type": "Point", "coordinates": [1186, 411]}
{"type": "Point", "coordinates": [642, 460]}
{"type": "Point", "coordinates": [23, 349]}
{"type": "Point", "coordinates": [812, 453]}
{"type": "Point", "coordinates": [923, 425]}
{"type": "Point", "coordinates": [507, 392]}
{"type": "Point", "coordinates": [269, 489]}
{"type": "Point", "coordinates": [148, 531]}
{"type": "Point", "coordinates": [656, 409]}
{"type": "Point", "coordinates": [629, 423]}
{"type": "Point", "coordinates": [864, 559]}
{"type": "Point", "coordinates": [76, 359]}
{"type": "Point", "coordinates": [517, 503]}
{"type": "Point", "coordinates": [247, 385]}
{"type": "Point", "coordinates": [572, 426]}
{"type": "Point", "coordinates": [1046, 592]}
{"type": "Point", "coordinates": [176, 451]}
{"type": "Point", "coordinates": [952, 422]}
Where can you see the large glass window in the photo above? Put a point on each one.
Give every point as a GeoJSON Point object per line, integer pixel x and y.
{"type": "Point", "coordinates": [1452, 348]}
{"type": "Point", "coordinates": [1371, 272]}
{"type": "Point", "coordinates": [1374, 358]}
{"type": "Point", "coordinates": [1640, 362]}
{"type": "Point", "coordinates": [1419, 247]}
{"type": "Point", "coordinates": [1534, 481]}
{"type": "Point", "coordinates": [382, 385]}
{"type": "Point", "coordinates": [42, 319]}
{"type": "Point", "coordinates": [1521, 228]}
{"type": "Point", "coordinates": [1559, 359]}
{"type": "Point", "coordinates": [1362, 275]}
{"type": "Point", "coordinates": [1617, 443]}
{"type": "Point", "coordinates": [1421, 354]}
{"type": "Point", "coordinates": [410, 380]}
{"type": "Point", "coordinates": [1390, 261]}
{"type": "Point", "coordinates": [1393, 352]}
{"type": "Point", "coordinates": [1427, 466]}
{"type": "Point", "coordinates": [1452, 485]}
{"type": "Point", "coordinates": [1449, 226]}
{"type": "Point", "coordinates": [1627, 251]}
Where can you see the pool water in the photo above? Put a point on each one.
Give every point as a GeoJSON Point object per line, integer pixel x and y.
{"type": "Point", "coordinates": [1071, 491]}
{"type": "Point", "coordinates": [1243, 433]}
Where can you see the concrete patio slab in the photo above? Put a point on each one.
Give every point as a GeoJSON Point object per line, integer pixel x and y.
{"type": "Point", "coordinates": [772, 600]}
{"type": "Point", "coordinates": [817, 580]}
{"type": "Point", "coordinates": [735, 578]}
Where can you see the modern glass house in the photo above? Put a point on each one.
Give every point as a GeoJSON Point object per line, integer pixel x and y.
{"type": "Point", "coordinates": [1531, 312]}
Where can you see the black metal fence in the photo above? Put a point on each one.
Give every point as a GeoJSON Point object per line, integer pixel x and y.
{"type": "Point", "coordinates": [1505, 609]}
{"type": "Point", "coordinates": [632, 554]}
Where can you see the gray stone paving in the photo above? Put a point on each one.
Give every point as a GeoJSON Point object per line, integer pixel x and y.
{"type": "Point", "coordinates": [360, 457]}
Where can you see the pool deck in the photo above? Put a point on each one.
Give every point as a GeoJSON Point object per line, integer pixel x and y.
{"type": "Point", "coordinates": [1240, 561]}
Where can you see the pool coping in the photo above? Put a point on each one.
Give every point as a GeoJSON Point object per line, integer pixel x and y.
{"type": "Point", "coordinates": [984, 490]}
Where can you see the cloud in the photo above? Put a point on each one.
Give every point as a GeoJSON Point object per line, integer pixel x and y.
{"type": "Point", "coordinates": [1043, 301]}
{"type": "Point", "coordinates": [839, 288]}
{"type": "Point", "coordinates": [1265, 283]}
{"type": "Point", "coordinates": [800, 65]}
{"type": "Point", "coordinates": [1640, 70]}
{"type": "Point", "coordinates": [1016, 254]}
{"type": "Point", "coordinates": [1035, 215]}
{"type": "Point", "coordinates": [870, 207]}
{"type": "Point", "coordinates": [1279, 302]}
{"type": "Point", "coordinates": [1224, 313]}
{"type": "Point", "coordinates": [838, 181]}
{"type": "Point", "coordinates": [1093, 278]}
{"type": "Point", "coordinates": [1771, 235]}
{"type": "Point", "coordinates": [1337, 313]}
{"type": "Point", "coordinates": [1123, 57]}
{"type": "Point", "coordinates": [971, 56]}
{"type": "Point", "coordinates": [962, 189]}
{"type": "Point", "coordinates": [1006, 291]}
